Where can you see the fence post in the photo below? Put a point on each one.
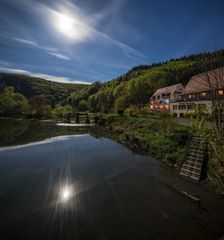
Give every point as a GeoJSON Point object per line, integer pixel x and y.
{"type": "Point", "coordinates": [77, 118]}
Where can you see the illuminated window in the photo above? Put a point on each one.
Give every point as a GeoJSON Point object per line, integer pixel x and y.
{"type": "Point", "coordinates": [220, 92]}
{"type": "Point", "coordinates": [203, 94]}
{"type": "Point", "coordinates": [190, 96]}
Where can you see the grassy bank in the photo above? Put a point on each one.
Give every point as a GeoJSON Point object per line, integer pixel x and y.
{"type": "Point", "coordinates": [157, 135]}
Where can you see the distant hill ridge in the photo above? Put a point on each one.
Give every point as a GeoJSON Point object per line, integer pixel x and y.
{"type": "Point", "coordinates": [31, 86]}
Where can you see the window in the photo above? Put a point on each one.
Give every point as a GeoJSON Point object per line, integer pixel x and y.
{"type": "Point", "coordinates": [189, 107]}
{"type": "Point", "coordinates": [189, 96]}
{"type": "Point", "coordinates": [203, 94]}
{"type": "Point", "coordinates": [220, 92]}
{"type": "Point", "coordinates": [174, 107]}
{"type": "Point", "coordinates": [182, 106]}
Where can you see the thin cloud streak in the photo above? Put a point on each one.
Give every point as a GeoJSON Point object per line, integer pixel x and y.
{"type": "Point", "coordinates": [43, 75]}
{"type": "Point", "coordinates": [51, 51]}
{"type": "Point", "coordinates": [60, 56]}
{"type": "Point", "coordinates": [26, 41]}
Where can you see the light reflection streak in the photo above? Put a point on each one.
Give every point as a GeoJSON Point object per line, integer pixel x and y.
{"type": "Point", "coordinates": [46, 141]}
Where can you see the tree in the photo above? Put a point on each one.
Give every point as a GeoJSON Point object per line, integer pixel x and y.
{"type": "Point", "coordinates": [93, 103]}
{"type": "Point", "coordinates": [48, 111]}
{"type": "Point", "coordinates": [138, 92]}
{"type": "Point", "coordinates": [68, 111]}
{"type": "Point", "coordinates": [59, 111]}
{"type": "Point", "coordinates": [21, 104]}
{"type": "Point", "coordinates": [11, 103]}
{"type": "Point", "coordinates": [83, 105]}
{"type": "Point", "coordinates": [38, 105]}
{"type": "Point", "coordinates": [121, 104]}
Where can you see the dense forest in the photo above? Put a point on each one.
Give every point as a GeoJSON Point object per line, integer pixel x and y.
{"type": "Point", "coordinates": [41, 98]}
{"type": "Point", "coordinates": [31, 86]}
{"type": "Point", "coordinates": [136, 86]}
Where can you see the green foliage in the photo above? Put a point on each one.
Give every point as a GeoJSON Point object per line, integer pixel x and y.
{"type": "Point", "coordinates": [83, 105]}
{"type": "Point", "coordinates": [121, 104]}
{"type": "Point", "coordinates": [83, 94]}
{"type": "Point", "coordinates": [12, 103]}
{"type": "Point", "coordinates": [63, 111]}
{"type": "Point", "coordinates": [68, 111]}
{"type": "Point", "coordinates": [160, 137]}
{"type": "Point", "coordinates": [138, 85]}
{"type": "Point", "coordinates": [215, 142]}
{"type": "Point", "coordinates": [131, 111]}
{"type": "Point", "coordinates": [32, 86]}
{"type": "Point", "coordinates": [58, 111]}
{"type": "Point", "coordinates": [199, 118]}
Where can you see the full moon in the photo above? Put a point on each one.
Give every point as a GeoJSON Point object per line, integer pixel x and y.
{"type": "Point", "coordinates": [72, 26]}
{"type": "Point", "coordinates": [66, 193]}
{"type": "Point", "coordinates": [65, 24]}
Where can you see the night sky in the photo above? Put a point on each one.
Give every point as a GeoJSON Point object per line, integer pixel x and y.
{"type": "Point", "coordinates": [89, 40]}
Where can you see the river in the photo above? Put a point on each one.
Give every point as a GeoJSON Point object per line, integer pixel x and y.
{"type": "Point", "coordinates": [70, 183]}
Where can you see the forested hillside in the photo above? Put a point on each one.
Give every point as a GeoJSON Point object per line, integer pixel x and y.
{"type": "Point", "coordinates": [133, 88]}
{"type": "Point", "coordinates": [32, 86]}
{"type": "Point", "coordinates": [136, 86]}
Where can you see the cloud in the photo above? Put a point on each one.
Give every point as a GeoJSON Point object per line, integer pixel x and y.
{"type": "Point", "coordinates": [4, 63]}
{"type": "Point", "coordinates": [26, 41]}
{"type": "Point", "coordinates": [82, 27]}
{"type": "Point", "coordinates": [43, 75]}
{"type": "Point", "coordinates": [51, 51]}
{"type": "Point", "coordinates": [58, 55]}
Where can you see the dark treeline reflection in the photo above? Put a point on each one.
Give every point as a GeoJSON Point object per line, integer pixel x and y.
{"type": "Point", "coordinates": [16, 132]}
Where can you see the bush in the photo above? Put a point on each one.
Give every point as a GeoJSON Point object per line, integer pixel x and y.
{"type": "Point", "coordinates": [83, 105]}
{"type": "Point", "coordinates": [131, 111]}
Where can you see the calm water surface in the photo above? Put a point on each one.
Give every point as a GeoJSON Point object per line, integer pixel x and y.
{"type": "Point", "coordinates": [69, 183]}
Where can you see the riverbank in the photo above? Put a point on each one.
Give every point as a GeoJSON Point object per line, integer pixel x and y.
{"type": "Point", "coordinates": [158, 136]}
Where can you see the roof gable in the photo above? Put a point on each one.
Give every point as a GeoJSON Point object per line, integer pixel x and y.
{"type": "Point", "coordinates": [169, 90]}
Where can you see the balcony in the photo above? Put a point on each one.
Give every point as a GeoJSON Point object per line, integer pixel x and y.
{"type": "Point", "coordinates": [206, 96]}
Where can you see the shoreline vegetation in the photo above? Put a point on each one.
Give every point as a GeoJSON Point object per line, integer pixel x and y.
{"type": "Point", "coordinates": [157, 135]}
